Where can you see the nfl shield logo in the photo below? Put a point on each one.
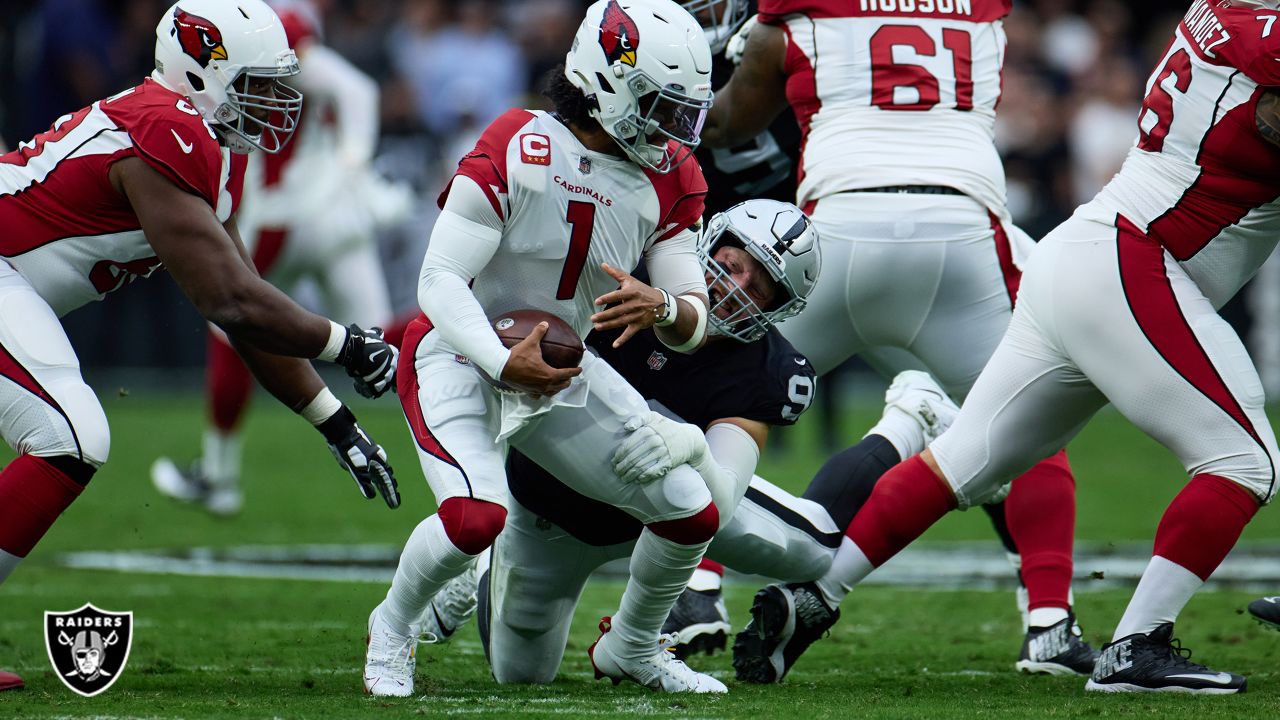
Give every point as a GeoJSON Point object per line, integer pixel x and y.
{"type": "Point", "coordinates": [657, 360]}
{"type": "Point", "coordinates": [88, 647]}
{"type": "Point", "coordinates": [584, 165]}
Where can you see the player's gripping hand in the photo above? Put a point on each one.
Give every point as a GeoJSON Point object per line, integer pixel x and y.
{"type": "Point", "coordinates": [655, 444]}
{"type": "Point", "coordinates": [361, 456]}
{"type": "Point", "coordinates": [527, 371]}
{"type": "Point", "coordinates": [634, 306]}
{"type": "Point", "coordinates": [737, 45]}
{"type": "Point", "coordinates": [369, 360]}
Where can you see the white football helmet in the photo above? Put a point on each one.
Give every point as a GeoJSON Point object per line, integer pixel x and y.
{"type": "Point", "coordinates": [782, 239]}
{"type": "Point", "coordinates": [720, 19]}
{"type": "Point", "coordinates": [213, 51]}
{"type": "Point", "coordinates": [646, 66]}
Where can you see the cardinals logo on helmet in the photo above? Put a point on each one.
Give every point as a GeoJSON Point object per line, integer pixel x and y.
{"type": "Point", "coordinates": [619, 36]}
{"type": "Point", "coordinates": [200, 38]}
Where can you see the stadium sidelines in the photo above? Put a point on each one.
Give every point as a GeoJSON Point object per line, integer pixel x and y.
{"type": "Point", "coordinates": [953, 566]}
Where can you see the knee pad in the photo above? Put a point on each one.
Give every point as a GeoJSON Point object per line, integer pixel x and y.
{"type": "Point", "coordinates": [80, 430]}
{"type": "Point", "coordinates": [693, 530]}
{"type": "Point", "coordinates": [472, 525]}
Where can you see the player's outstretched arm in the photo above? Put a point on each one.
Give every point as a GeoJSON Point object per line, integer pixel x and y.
{"type": "Point", "coordinates": [755, 93]}
{"type": "Point", "coordinates": [295, 383]}
{"type": "Point", "coordinates": [210, 265]}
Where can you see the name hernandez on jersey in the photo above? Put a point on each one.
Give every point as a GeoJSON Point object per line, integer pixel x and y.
{"type": "Point", "coordinates": [67, 230]}
{"type": "Point", "coordinates": [768, 381]}
{"type": "Point", "coordinates": [564, 210]}
{"type": "Point", "coordinates": [1201, 180]}
{"type": "Point", "coordinates": [903, 92]}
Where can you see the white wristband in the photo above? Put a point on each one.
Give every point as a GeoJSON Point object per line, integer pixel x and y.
{"type": "Point", "coordinates": [321, 408]}
{"type": "Point", "coordinates": [672, 308]}
{"type": "Point", "coordinates": [699, 329]}
{"type": "Point", "coordinates": [337, 338]}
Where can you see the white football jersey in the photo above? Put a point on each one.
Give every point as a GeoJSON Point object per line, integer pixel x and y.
{"type": "Point", "coordinates": [895, 92]}
{"type": "Point", "coordinates": [1201, 180]}
{"type": "Point", "coordinates": [565, 210]}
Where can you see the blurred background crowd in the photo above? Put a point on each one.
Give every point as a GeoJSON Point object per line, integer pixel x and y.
{"type": "Point", "coordinates": [1073, 83]}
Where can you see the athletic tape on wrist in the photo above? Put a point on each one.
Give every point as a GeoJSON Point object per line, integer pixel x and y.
{"type": "Point", "coordinates": [337, 338]}
{"type": "Point", "coordinates": [699, 329]}
{"type": "Point", "coordinates": [672, 307]}
{"type": "Point", "coordinates": [321, 408]}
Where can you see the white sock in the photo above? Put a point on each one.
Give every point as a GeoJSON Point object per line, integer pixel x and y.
{"type": "Point", "coordinates": [1164, 589]}
{"type": "Point", "coordinates": [660, 570]}
{"type": "Point", "coordinates": [848, 568]}
{"type": "Point", "coordinates": [428, 562]}
{"type": "Point", "coordinates": [1043, 617]}
{"type": "Point", "coordinates": [7, 564]}
{"type": "Point", "coordinates": [901, 430]}
{"type": "Point", "coordinates": [705, 581]}
{"type": "Point", "coordinates": [221, 460]}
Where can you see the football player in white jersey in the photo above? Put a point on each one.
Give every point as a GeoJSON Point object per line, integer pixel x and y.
{"type": "Point", "coordinates": [548, 212]}
{"type": "Point", "coordinates": [150, 177]}
{"type": "Point", "coordinates": [310, 212]}
{"type": "Point", "coordinates": [899, 171]}
{"type": "Point", "coordinates": [1119, 304]}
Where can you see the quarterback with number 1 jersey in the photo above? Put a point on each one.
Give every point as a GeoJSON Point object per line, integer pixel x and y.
{"type": "Point", "coordinates": [1119, 304]}
{"type": "Point", "coordinates": [549, 212]}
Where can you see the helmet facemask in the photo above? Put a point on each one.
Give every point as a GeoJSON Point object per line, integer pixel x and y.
{"type": "Point", "coordinates": [720, 19]}
{"type": "Point", "coordinates": [663, 129]}
{"type": "Point", "coordinates": [281, 105]}
{"type": "Point", "coordinates": [743, 320]}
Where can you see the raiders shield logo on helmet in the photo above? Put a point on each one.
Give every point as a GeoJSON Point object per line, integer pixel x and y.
{"type": "Point", "coordinates": [88, 647]}
{"type": "Point", "coordinates": [619, 36]}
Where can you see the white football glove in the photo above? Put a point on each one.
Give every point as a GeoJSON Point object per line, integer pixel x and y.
{"type": "Point", "coordinates": [737, 45]}
{"type": "Point", "coordinates": [655, 444]}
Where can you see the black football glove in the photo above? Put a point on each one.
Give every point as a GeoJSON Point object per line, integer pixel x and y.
{"type": "Point", "coordinates": [369, 360]}
{"type": "Point", "coordinates": [360, 456]}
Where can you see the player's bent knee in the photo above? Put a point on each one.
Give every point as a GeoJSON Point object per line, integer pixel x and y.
{"type": "Point", "coordinates": [693, 530]}
{"type": "Point", "coordinates": [472, 525]}
{"type": "Point", "coordinates": [81, 429]}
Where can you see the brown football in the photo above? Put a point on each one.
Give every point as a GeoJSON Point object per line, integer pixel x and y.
{"type": "Point", "coordinates": [561, 346]}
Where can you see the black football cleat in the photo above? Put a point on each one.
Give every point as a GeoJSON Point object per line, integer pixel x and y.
{"type": "Point", "coordinates": [1056, 650]}
{"type": "Point", "coordinates": [1157, 662]}
{"type": "Point", "coordinates": [785, 621]}
{"type": "Point", "coordinates": [1266, 611]}
{"type": "Point", "coordinates": [700, 623]}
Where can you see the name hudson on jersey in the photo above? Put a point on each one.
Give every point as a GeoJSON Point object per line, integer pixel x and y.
{"type": "Point", "coordinates": [950, 7]}
{"type": "Point", "coordinates": [584, 190]}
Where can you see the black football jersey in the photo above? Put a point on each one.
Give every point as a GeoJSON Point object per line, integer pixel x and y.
{"type": "Point", "coordinates": [767, 380]}
{"type": "Point", "coordinates": [764, 167]}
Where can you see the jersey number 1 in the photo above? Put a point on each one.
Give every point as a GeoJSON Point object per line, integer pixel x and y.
{"type": "Point", "coordinates": [887, 76]}
{"type": "Point", "coordinates": [582, 220]}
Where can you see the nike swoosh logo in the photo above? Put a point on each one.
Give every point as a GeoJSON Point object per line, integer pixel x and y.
{"type": "Point", "coordinates": [799, 361]}
{"type": "Point", "coordinates": [1220, 678]}
{"type": "Point", "coordinates": [186, 146]}
{"type": "Point", "coordinates": [440, 622]}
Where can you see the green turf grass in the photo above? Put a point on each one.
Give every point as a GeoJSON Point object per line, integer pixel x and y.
{"type": "Point", "coordinates": [207, 647]}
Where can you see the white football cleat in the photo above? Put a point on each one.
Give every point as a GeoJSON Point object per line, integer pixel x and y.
{"type": "Point", "coordinates": [194, 486]}
{"type": "Point", "coordinates": [390, 659]}
{"type": "Point", "coordinates": [917, 394]}
{"type": "Point", "coordinates": [662, 671]}
{"type": "Point", "coordinates": [450, 609]}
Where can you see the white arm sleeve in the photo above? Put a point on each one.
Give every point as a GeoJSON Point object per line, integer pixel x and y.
{"type": "Point", "coordinates": [727, 467]}
{"type": "Point", "coordinates": [673, 265]}
{"type": "Point", "coordinates": [464, 239]}
{"type": "Point", "coordinates": [328, 76]}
